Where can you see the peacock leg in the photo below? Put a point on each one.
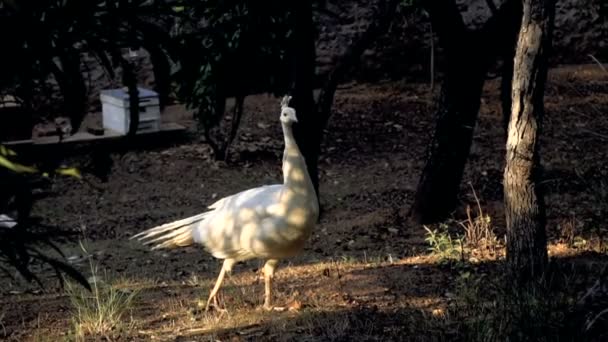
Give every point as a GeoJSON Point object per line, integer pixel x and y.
{"type": "Point", "coordinates": [269, 269]}
{"type": "Point", "coordinates": [226, 267]}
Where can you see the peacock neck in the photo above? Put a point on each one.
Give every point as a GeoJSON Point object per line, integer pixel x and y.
{"type": "Point", "coordinates": [290, 141]}
{"type": "Point", "coordinates": [295, 173]}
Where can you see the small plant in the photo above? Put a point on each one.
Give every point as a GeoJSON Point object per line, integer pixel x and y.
{"type": "Point", "coordinates": [579, 242]}
{"type": "Point", "coordinates": [349, 259]}
{"type": "Point", "coordinates": [568, 230]}
{"type": "Point", "coordinates": [21, 235]}
{"type": "Point", "coordinates": [600, 193]}
{"type": "Point", "coordinates": [101, 311]}
{"type": "Point", "coordinates": [479, 232]}
{"type": "Point", "coordinates": [591, 309]}
{"type": "Point", "coordinates": [442, 244]}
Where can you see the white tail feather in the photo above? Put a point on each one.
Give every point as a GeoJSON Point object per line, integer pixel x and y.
{"type": "Point", "coordinates": [170, 235]}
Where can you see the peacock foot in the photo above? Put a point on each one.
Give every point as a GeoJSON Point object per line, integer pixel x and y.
{"type": "Point", "coordinates": [211, 304]}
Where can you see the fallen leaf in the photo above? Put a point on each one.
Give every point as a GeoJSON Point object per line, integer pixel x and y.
{"type": "Point", "coordinates": [296, 305]}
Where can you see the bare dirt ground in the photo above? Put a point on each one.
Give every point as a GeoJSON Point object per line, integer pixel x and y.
{"type": "Point", "coordinates": [367, 273]}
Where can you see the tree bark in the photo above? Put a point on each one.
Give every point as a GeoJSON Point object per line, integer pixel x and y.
{"type": "Point", "coordinates": [309, 129]}
{"type": "Point", "coordinates": [524, 204]}
{"type": "Point", "coordinates": [468, 58]}
{"type": "Point", "coordinates": [436, 195]}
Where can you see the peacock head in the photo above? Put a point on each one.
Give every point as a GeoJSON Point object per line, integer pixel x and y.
{"type": "Point", "coordinates": [288, 114]}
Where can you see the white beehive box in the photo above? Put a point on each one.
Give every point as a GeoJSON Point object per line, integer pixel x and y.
{"type": "Point", "coordinates": [115, 110]}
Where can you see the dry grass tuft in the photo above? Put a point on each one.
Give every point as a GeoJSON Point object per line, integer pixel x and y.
{"type": "Point", "coordinates": [101, 312]}
{"type": "Point", "coordinates": [478, 230]}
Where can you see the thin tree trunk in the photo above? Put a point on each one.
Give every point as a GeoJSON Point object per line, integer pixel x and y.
{"type": "Point", "coordinates": [162, 73]}
{"type": "Point", "coordinates": [219, 108]}
{"type": "Point", "coordinates": [129, 79]}
{"type": "Point", "coordinates": [524, 204]}
{"type": "Point", "coordinates": [73, 89]}
{"type": "Point", "coordinates": [237, 115]}
{"type": "Point", "coordinates": [468, 57]}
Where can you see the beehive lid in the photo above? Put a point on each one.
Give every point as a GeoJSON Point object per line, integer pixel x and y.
{"type": "Point", "coordinates": [120, 97]}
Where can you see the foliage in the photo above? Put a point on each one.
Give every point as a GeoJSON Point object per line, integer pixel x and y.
{"type": "Point", "coordinates": [410, 3]}
{"type": "Point", "coordinates": [596, 188]}
{"type": "Point", "coordinates": [46, 40]}
{"type": "Point", "coordinates": [442, 244]}
{"type": "Point", "coordinates": [510, 313]}
{"type": "Point", "coordinates": [21, 240]}
{"type": "Point", "coordinates": [492, 308]}
{"type": "Point", "coordinates": [238, 48]}
{"type": "Point", "coordinates": [475, 236]}
{"type": "Point", "coordinates": [599, 191]}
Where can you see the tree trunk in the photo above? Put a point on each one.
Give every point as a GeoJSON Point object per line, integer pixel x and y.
{"type": "Point", "coordinates": [237, 115]}
{"type": "Point", "coordinates": [436, 195]}
{"type": "Point", "coordinates": [213, 124]}
{"type": "Point", "coordinates": [162, 73]}
{"type": "Point", "coordinates": [129, 79]}
{"type": "Point", "coordinates": [456, 116]}
{"type": "Point", "coordinates": [524, 204]}
{"type": "Point", "coordinates": [468, 57]}
{"type": "Point", "coordinates": [309, 130]}
{"type": "Point", "coordinates": [73, 88]}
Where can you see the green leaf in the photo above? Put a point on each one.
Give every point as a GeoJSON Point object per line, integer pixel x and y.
{"type": "Point", "coordinates": [69, 171]}
{"type": "Point", "coordinates": [7, 152]}
{"type": "Point", "coordinates": [16, 167]}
